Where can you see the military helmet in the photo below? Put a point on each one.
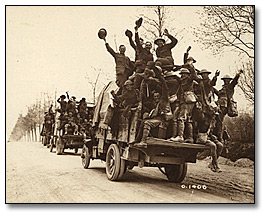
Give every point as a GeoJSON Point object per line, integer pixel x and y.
{"type": "Point", "coordinates": [158, 40]}
{"type": "Point", "coordinates": [128, 82]}
{"type": "Point", "coordinates": [226, 77]}
{"type": "Point", "coordinates": [102, 33]}
{"type": "Point", "coordinates": [191, 58]}
{"type": "Point", "coordinates": [184, 71]}
{"type": "Point", "coordinates": [204, 71]}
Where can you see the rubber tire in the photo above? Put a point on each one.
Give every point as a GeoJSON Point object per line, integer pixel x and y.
{"type": "Point", "coordinates": [113, 162]}
{"type": "Point", "coordinates": [86, 160]}
{"type": "Point", "coordinates": [59, 150]}
{"type": "Point", "coordinates": [123, 169]}
{"type": "Point", "coordinates": [176, 173]}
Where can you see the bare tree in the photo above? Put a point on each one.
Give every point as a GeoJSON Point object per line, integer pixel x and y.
{"type": "Point", "coordinates": [94, 82]}
{"type": "Point", "coordinates": [246, 82]}
{"type": "Point", "coordinates": [155, 20]}
{"type": "Point", "coordinates": [228, 27]}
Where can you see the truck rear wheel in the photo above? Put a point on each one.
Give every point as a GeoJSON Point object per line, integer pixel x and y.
{"type": "Point", "coordinates": [176, 173]}
{"type": "Point", "coordinates": [113, 162]}
{"type": "Point", "coordinates": [59, 146]}
{"type": "Point", "coordinates": [85, 157]}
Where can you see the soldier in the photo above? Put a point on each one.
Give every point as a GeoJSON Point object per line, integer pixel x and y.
{"type": "Point", "coordinates": [124, 66]}
{"type": "Point", "coordinates": [63, 104]}
{"type": "Point", "coordinates": [82, 108]}
{"type": "Point", "coordinates": [208, 85]}
{"type": "Point", "coordinates": [71, 123]}
{"type": "Point", "coordinates": [159, 116]}
{"type": "Point", "coordinates": [206, 122]}
{"type": "Point", "coordinates": [224, 97]}
{"type": "Point", "coordinates": [163, 51]}
{"type": "Point", "coordinates": [129, 98]}
{"type": "Point", "coordinates": [187, 99]}
{"type": "Point", "coordinates": [71, 106]}
{"type": "Point", "coordinates": [144, 56]}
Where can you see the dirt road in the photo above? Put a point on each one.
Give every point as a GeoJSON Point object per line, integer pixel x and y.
{"type": "Point", "coordinates": [34, 175]}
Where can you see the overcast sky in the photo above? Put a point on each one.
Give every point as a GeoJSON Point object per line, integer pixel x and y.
{"type": "Point", "coordinates": [52, 49]}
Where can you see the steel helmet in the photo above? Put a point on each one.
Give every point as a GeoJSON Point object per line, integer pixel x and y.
{"type": "Point", "coordinates": [204, 71]}
{"type": "Point", "coordinates": [128, 82]}
{"type": "Point", "coordinates": [226, 77]}
{"type": "Point", "coordinates": [191, 58]}
{"type": "Point", "coordinates": [184, 71]}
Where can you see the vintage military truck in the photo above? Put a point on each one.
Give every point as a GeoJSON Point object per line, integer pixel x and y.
{"type": "Point", "coordinates": [61, 141]}
{"type": "Point", "coordinates": [119, 152]}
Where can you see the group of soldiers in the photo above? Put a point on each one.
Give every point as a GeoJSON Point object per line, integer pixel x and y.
{"type": "Point", "coordinates": [74, 118]}
{"type": "Point", "coordinates": [166, 93]}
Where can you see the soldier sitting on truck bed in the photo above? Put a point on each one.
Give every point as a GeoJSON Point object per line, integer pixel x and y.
{"type": "Point", "coordinates": [159, 116]}
{"type": "Point", "coordinates": [71, 123]}
{"type": "Point", "coordinates": [205, 117]}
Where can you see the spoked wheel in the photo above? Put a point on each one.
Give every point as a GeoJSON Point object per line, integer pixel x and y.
{"type": "Point", "coordinates": [85, 157]}
{"type": "Point", "coordinates": [113, 162]}
{"type": "Point", "coordinates": [176, 173]}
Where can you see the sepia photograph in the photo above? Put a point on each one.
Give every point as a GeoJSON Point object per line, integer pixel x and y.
{"type": "Point", "coordinates": [130, 104]}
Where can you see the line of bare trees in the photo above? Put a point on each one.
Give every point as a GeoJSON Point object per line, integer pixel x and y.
{"type": "Point", "coordinates": [28, 127]}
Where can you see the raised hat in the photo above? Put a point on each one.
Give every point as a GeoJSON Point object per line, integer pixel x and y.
{"type": "Point", "coordinates": [102, 33]}
{"type": "Point", "coordinates": [128, 33]}
{"type": "Point", "coordinates": [204, 71]}
{"type": "Point", "coordinates": [226, 77]}
{"type": "Point", "coordinates": [139, 22]}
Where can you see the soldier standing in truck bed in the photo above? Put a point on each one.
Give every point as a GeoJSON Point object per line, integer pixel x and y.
{"type": "Point", "coordinates": [124, 66]}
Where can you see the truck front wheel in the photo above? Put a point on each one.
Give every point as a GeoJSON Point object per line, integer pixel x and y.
{"type": "Point", "coordinates": [113, 162]}
{"type": "Point", "coordinates": [85, 157]}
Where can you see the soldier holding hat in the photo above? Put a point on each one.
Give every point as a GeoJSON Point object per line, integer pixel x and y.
{"type": "Point", "coordinates": [163, 51]}
{"type": "Point", "coordinates": [63, 104]}
{"type": "Point", "coordinates": [124, 66]}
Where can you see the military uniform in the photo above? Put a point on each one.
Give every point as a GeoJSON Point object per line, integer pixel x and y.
{"type": "Point", "coordinates": [187, 100]}
{"type": "Point", "coordinates": [164, 53]}
{"type": "Point", "coordinates": [123, 66]}
{"type": "Point", "coordinates": [224, 96]}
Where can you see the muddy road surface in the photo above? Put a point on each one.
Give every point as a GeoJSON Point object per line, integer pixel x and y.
{"type": "Point", "coordinates": [34, 175]}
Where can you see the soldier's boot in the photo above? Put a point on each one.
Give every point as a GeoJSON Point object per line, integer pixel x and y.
{"type": "Point", "coordinates": [174, 131]}
{"type": "Point", "coordinates": [189, 130]}
{"type": "Point", "coordinates": [146, 132]}
{"type": "Point", "coordinates": [181, 128]}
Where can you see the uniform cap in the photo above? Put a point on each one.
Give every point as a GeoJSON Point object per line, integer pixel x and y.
{"type": "Point", "coordinates": [102, 33]}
